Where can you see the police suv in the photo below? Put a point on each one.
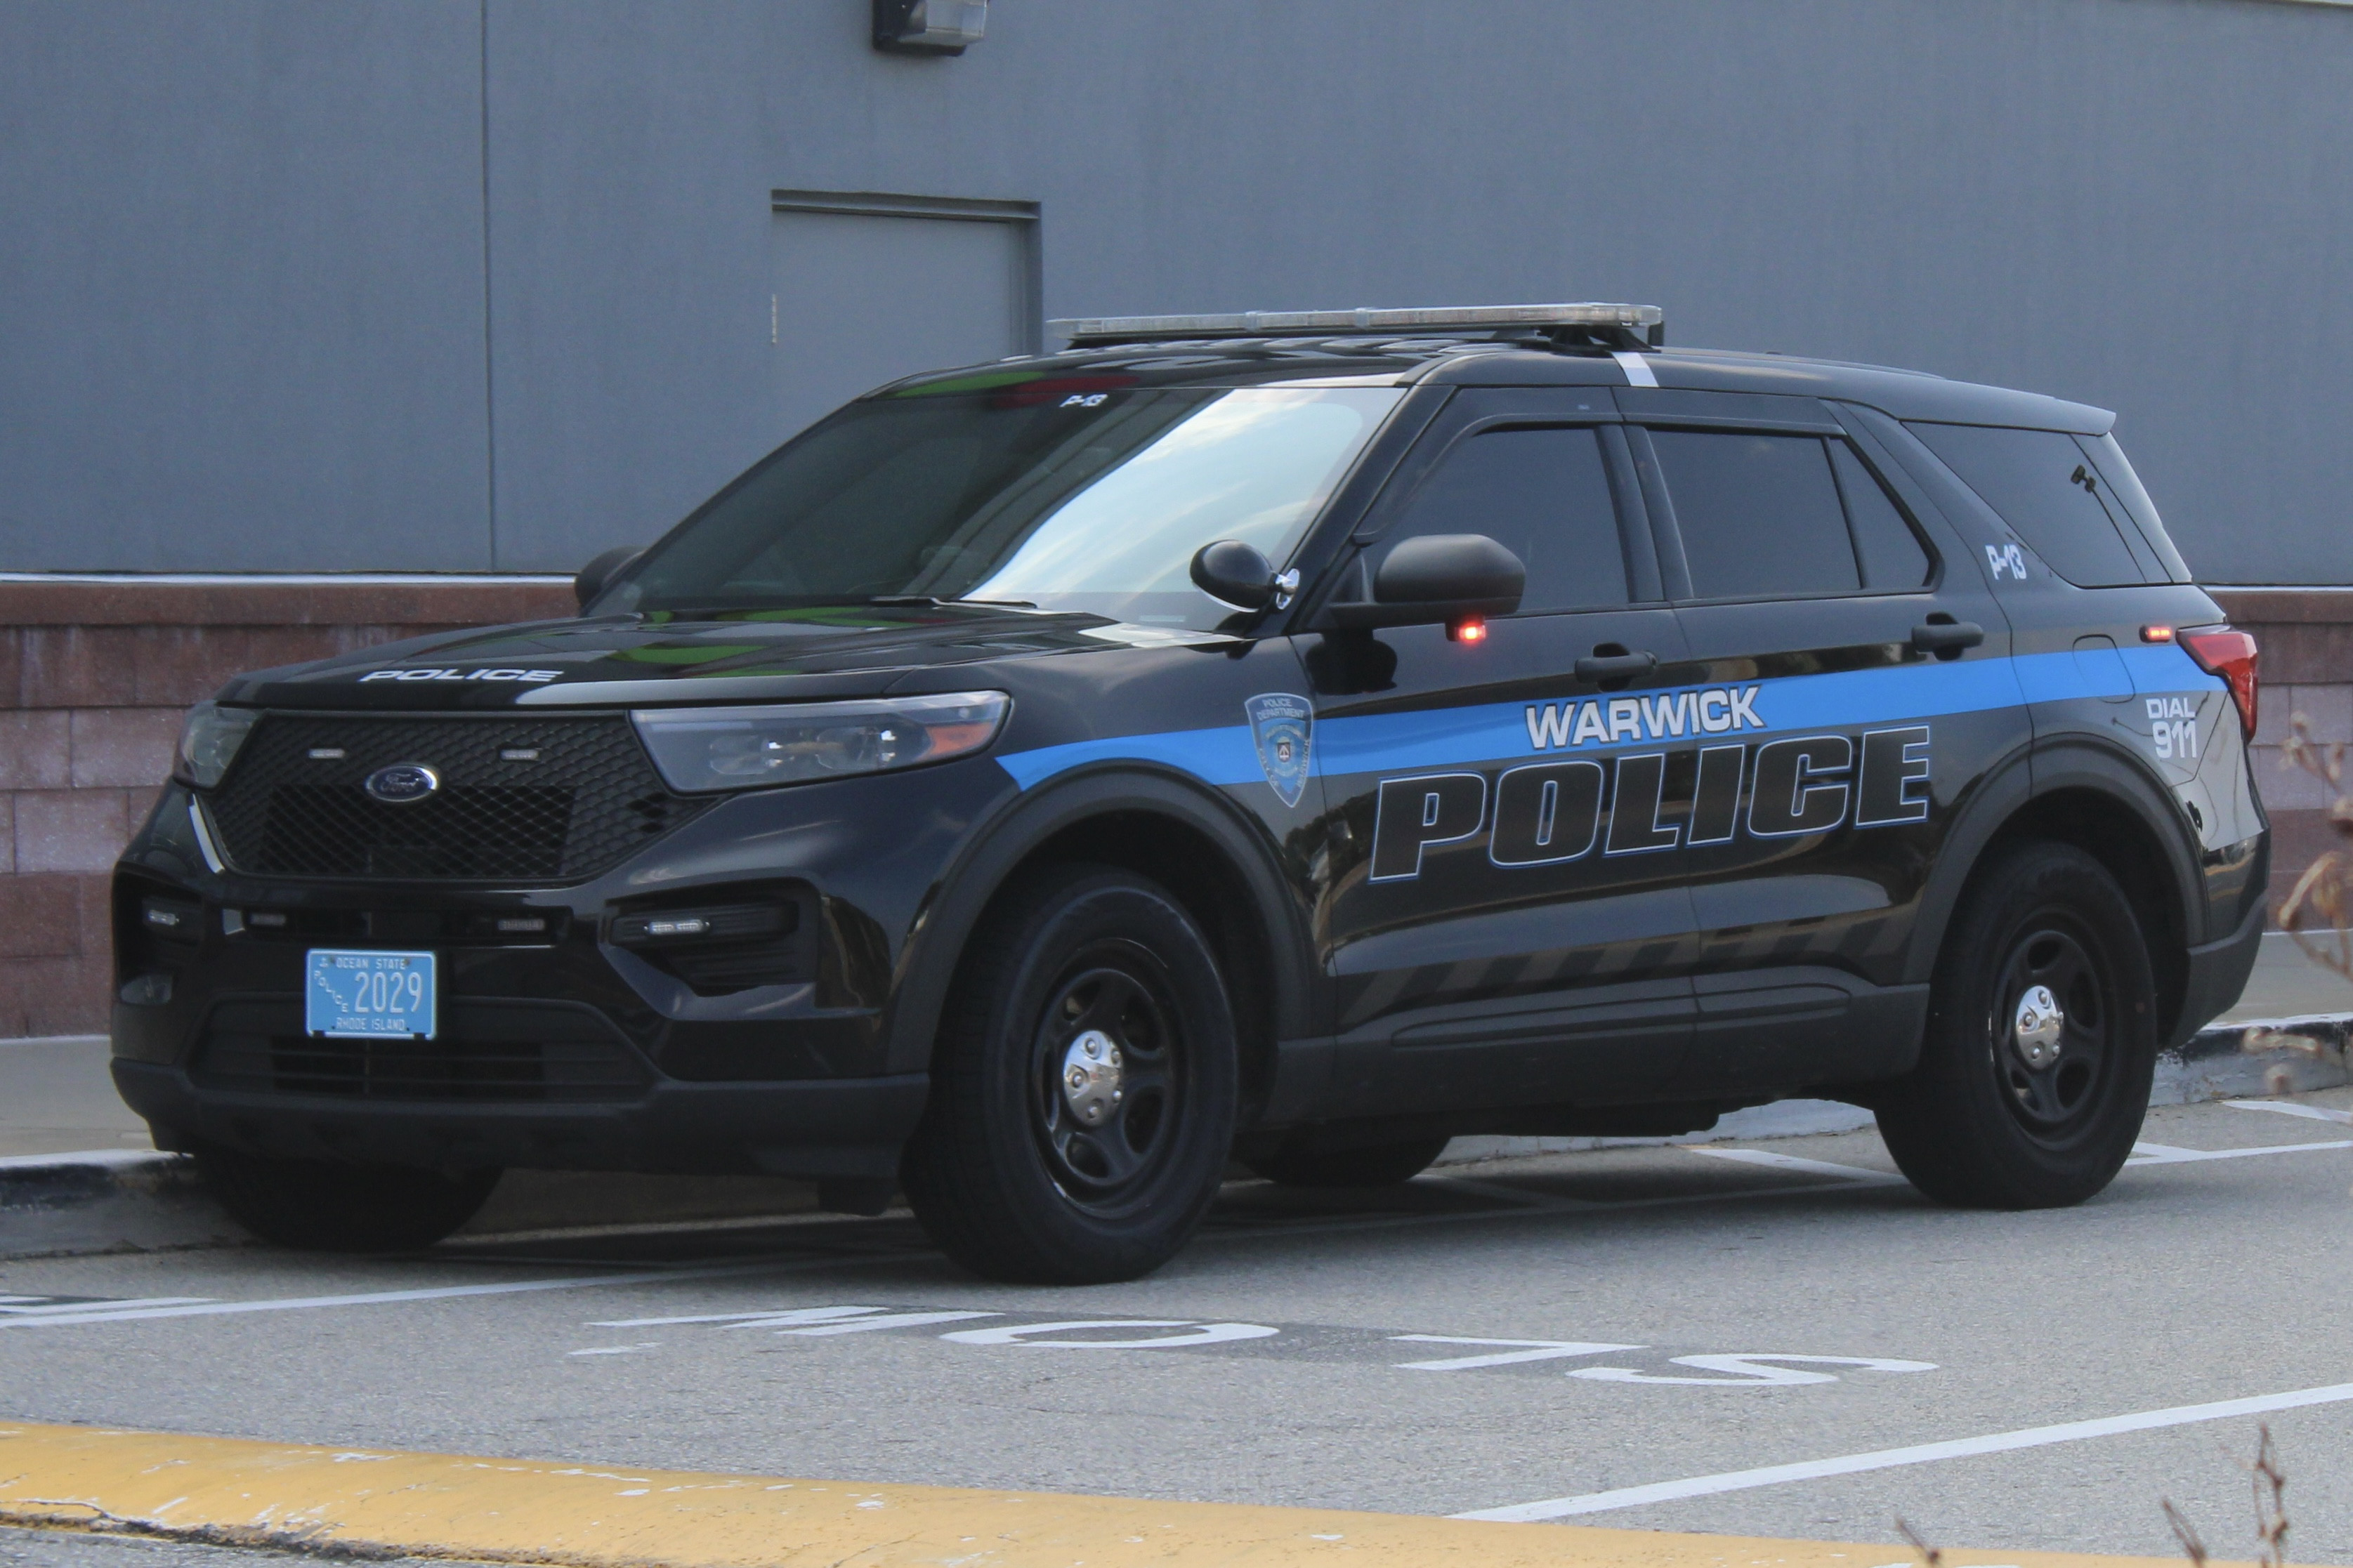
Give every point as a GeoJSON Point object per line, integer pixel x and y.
{"type": "Point", "coordinates": [1298, 739]}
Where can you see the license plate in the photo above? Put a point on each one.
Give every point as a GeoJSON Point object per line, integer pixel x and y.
{"type": "Point", "coordinates": [369, 995]}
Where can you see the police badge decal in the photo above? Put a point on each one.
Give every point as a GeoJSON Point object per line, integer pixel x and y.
{"type": "Point", "coordinates": [1283, 727]}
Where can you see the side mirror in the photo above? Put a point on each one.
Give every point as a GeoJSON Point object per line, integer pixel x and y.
{"type": "Point", "coordinates": [590, 580]}
{"type": "Point", "coordinates": [1236, 573]}
{"type": "Point", "coordinates": [1445, 577]}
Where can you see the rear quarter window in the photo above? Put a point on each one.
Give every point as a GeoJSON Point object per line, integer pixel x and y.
{"type": "Point", "coordinates": [2043, 485]}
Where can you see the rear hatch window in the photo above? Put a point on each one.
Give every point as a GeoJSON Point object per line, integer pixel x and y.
{"type": "Point", "coordinates": [2053, 496]}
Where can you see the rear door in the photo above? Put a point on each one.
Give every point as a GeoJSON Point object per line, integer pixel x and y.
{"type": "Point", "coordinates": [1504, 917]}
{"type": "Point", "coordinates": [1873, 665]}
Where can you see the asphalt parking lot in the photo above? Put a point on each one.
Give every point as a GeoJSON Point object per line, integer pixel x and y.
{"type": "Point", "coordinates": [1779, 1340]}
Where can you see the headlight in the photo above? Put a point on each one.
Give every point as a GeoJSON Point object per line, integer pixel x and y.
{"type": "Point", "coordinates": [208, 743]}
{"type": "Point", "coordinates": [703, 749]}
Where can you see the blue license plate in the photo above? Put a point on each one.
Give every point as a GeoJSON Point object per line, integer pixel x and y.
{"type": "Point", "coordinates": [353, 995]}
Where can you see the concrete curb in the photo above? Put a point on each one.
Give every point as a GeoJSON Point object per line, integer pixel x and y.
{"type": "Point", "coordinates": [126, 1200]}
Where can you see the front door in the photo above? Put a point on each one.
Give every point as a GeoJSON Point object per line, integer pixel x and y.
{"type": "Point", "coordinates": [1504, 917]}
{"type": "Point", "coordinates": [1873, 663]}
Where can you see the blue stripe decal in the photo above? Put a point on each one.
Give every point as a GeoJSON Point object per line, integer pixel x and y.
{"type": "Point", "coordinates": [1453, 737]}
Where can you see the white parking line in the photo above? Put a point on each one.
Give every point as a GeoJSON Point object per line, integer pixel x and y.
{"type": "Point", "coordinates": [1917, 1454]}
{"type": "Point", "coordinates": [2166, 1155]}
{"type": "Point", "coordinates": [2290, 1108]}
{"type": "Point", "coordinates": [109, 1314]}
{"type": "Point", "coordinates": [1793, 1162]}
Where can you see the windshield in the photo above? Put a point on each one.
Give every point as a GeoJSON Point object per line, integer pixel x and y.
{"type": "Point", "coordinates": [1092, 501]}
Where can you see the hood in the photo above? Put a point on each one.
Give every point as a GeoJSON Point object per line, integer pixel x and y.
{"type": "Point", "coordinates": [750, 656]}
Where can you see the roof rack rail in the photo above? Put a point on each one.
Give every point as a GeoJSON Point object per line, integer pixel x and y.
{"type": "Point", "coordinates": [1605, 325]}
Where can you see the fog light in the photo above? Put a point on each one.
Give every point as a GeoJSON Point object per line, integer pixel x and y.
{"type": "Point", "coordinates": [720, 923]}
{"type": "Point", "coordinates": [147, 990]}
{"type": "Point", "coordinates": [172, 918]}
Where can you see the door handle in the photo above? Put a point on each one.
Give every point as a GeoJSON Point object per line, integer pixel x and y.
{"type": "Point", "coordinates": [1604, 666]}
{"type": "Point", "coordinates": [1932, 636]}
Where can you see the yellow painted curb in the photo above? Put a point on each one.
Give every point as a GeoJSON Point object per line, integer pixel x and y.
{"type": "Point", "coordinates": [515, 1510]}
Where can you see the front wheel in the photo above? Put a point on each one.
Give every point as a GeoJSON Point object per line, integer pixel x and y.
{"type": "Point", "coordinates": [2034, 1073]}
{"type": "Point", "coordinates": [319, 1205]}
{"type": "Point", "coordinates": [1082, 1091]}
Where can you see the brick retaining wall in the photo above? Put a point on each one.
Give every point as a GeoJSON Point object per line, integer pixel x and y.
{"type": "Point", "coordinates": [94, 677]}
{"type": "Point", "coordinates": [95, 674]}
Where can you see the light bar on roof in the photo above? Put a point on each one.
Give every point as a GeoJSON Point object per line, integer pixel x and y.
{"type": "Point", "coordinates": [1298, 324]}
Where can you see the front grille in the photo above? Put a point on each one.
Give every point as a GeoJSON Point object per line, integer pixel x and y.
{"type": "Point", "coordinates": [521, 799]}
{"type": "Point", "coordinates": [484, 1055]}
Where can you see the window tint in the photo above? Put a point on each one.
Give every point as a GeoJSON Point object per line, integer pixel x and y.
{"type": "Point", "coordinates": [1759, 515]}
{"type": "Point", "coordinates": [2036, 481]}
{"type": "Point", "coordinates": [1890, 552]}
{"type": "Point", "coordinates": [1544, 495]}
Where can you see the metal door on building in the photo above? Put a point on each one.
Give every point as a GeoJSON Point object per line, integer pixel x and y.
{"type": "Point", "coordinates": [866, 288]}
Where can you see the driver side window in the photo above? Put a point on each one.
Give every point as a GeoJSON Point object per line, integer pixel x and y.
{"type": "Point", "coordinates": [1543, 493]}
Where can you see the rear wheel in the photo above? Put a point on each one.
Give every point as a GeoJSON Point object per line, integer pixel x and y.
{"type": "Point", "coordinates": [319, 1205]}
{"type": "Point", "coordinates": [2041, 1041]}
{"type": "Point", "coordinates": [1082, 1094]}
{"type": "Point", "coordinates": [1374, 1165]}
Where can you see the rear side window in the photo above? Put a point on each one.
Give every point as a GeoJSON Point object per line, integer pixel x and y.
{"type": "Point", "coordinates": [1759, 515]}
{"type": "Point", "coordinates": [2041, 483]}
{"type": "Point", "coordinates": [1545, 494]}
{"type": "Point", "coordinates": [2124, 485]}
{"type": "Point", "coordinates": [1889, 551]}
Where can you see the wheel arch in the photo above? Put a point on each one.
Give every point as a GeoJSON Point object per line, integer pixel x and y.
{"type": "Point", "coordinates": [2080, 792]}
{"type": "Point", "coordinates": [1155, 822]}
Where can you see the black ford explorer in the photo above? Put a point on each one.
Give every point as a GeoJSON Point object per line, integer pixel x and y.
{"type": "Point", "coordinates": [1292, 739]}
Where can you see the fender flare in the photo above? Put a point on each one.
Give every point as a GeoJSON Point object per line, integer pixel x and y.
{"type": "Point", "coordinates": [2048, 767]}
{"type": "Point", "coordinates": [944, 925]}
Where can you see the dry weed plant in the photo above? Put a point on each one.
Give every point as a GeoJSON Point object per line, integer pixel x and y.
{"type": "Point", "coordinates": [2269, 1483]}
{"type": "Point", "coordinates": [2317, 913]}
{"type": "Point", "coordinates": [2325, 891]}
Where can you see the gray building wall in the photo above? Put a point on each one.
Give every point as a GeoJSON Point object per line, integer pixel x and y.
{"type": "Point", "coordinates": [488, 286]}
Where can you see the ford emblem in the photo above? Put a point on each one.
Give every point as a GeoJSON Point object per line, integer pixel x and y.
{"type": "Point", "coordinates": [403, 783]}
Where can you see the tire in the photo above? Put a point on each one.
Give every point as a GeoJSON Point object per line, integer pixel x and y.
{"type": "Point", "coordinates": [2008, 1111]}
{"type": "Point", "coordinates": [319, 1205]}
{"type": "Point", "coordinates": [1376, 1165]}
{"type": "Point", "coordinates": [1020, 1176]}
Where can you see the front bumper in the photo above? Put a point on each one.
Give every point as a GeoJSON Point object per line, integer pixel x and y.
{"type": "Point", "coordinates": [824, 1129]}
{"type": "Point", "coordinates": [557, 1048]}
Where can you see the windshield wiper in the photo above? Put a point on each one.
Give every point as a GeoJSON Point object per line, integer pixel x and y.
{"type": "Point", "coordinates": [923, 599]}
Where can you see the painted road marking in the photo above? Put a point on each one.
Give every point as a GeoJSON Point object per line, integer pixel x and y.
{"type": "Point", "coordinates": [477, 1508]}
{"type": "Point", "coordinates": [2290, 1108]}
{"type": "Point", "coordinates": [2166, 1155]}
{"type": "Point", "coordinates": [1812, 1167]}
{"type": "Point", "coordinates": [1752, 1369]}
{"type": "Point", "coordinates": [433, 1293]}
{"type": "Point", "coordinates": [1531, 1350]}
{"type": "Point", "coordinates": [1193, 1333]}
{"type": "Point", "coordinates": [1916, 1454]}
{"type": "Point", "coordinates": [53, 1306]}
{"type": "Point", "coordinates": [1300, 1342]}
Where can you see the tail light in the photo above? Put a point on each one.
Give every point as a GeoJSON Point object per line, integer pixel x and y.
{"type": "Point", "coordinates": [2221, 651]}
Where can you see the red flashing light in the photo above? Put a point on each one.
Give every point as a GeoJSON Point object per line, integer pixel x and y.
{"type": "Point", "coordinates": [2232, 655]}
{"type": "Point", "coordinates": [1470, 628]}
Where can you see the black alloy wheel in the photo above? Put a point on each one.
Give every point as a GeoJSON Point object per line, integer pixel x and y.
{"type": "Point", "coordinates": [2049, 1027]}
{"type": "Point", "coordinates": [1104, 1061]}
{"type": "Point", "coordinates": [2040, 1044]}
{"type": "Point", "coordinates": [1082, 1085]}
